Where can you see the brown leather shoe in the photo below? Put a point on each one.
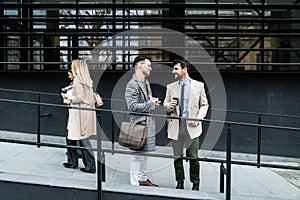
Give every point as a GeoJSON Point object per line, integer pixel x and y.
{"type": "Point", "coordinates": [147, 183]}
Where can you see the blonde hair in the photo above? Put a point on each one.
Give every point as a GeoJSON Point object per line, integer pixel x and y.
{"type": "Point", "coordinates": [81, 71]}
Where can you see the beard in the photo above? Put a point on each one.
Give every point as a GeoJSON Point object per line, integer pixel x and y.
{"type": "Point", "coordinates": [177, 77]}
{"type": "Point", "coordinates": [146, 73]}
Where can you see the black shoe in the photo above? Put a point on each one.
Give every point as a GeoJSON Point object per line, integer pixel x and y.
{"type": "Point", "coordinates": [68, 165]}
{"type": "Point", "coordinates": [88, 171]}
{"type": "Point", "coordinates": [195, 187]}
{"type": "Point", "coordinates": [180, 185]}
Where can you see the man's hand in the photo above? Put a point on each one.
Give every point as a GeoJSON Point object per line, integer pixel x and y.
{"type": "Point", "coordinates": [194, 123]}
{"type": "Point", "coordinates": [156, 101]}
{"type": "Point", "coordinates": [173, 103]}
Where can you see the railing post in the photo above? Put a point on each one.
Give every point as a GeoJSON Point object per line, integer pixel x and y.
{"type": "Point", "coordinates": [112, 132]}
{"type": "Point", "coordinates": [228, 163]}
{"type": "Point", "coordinates": [102, 160]}
{"type": "Point", "coordinates": [222, 178]}
{"type": "Point", "coordinates": [99, 163]}
{"type": "Point", "coordinates": [259, 141]}
{"type": "Point", "coordinates": [38, 121]}
{"type": "Point", "coordinates": [101, 156]}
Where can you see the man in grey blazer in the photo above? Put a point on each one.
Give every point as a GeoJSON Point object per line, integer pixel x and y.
{"type": "Point", "coordinates": [185, 98]}
{"type": "Point", "coordinates": [139, 99]}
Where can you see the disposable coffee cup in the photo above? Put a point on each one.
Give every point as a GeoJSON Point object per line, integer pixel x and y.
{"type": "Point", "coordinates": [176, 98]}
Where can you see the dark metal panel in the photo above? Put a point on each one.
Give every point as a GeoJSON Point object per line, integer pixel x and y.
{"type": "Point", "coordinates": [273, 93]}
{"type": "Point", "coordinates": [22, 191]}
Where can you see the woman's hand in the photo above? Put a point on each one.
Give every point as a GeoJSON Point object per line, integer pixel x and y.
{"type": "Point", "coordinates": [64, 96]}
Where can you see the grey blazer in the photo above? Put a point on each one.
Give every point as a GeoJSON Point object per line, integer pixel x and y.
{"type": "Point", "coordinates": [138, 101]}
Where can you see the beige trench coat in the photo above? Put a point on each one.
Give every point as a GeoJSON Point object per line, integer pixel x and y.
{"type": "Point", "coordinates": [82, 123]}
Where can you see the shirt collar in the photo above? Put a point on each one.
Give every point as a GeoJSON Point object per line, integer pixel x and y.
{"type": "Point", "coordinates": [185, 82]}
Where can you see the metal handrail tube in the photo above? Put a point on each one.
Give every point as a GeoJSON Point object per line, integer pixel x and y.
{"type": "Point", "coordinates": [159, 155]}
{"type": "Point", "coordinates": [152, 115]}
{"type": "Point", "coordinates": [121, 100]}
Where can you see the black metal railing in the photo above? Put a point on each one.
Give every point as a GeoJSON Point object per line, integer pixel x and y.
{"type": "Point", "coordinates": [224, 171]}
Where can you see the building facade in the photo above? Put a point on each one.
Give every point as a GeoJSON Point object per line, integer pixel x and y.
{"type": "Point", "coordinates": [254, 44]}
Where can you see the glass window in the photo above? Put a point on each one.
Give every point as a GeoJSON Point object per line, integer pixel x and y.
{"type": "Point", "coordinates": [13, 55]}
{"type": "Point", "coordinates": [237, 38]}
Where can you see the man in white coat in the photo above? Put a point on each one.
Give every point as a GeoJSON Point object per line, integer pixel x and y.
{"type": "Point", "coordinates": [185, 98]}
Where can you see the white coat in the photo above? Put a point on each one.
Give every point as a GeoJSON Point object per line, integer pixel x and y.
{"type": "Point", "coordinates": [197, 100]}
{"type": "Point", "coordinates": [82, 123]}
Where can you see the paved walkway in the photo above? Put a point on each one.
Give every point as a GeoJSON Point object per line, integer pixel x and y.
{"type": "Point", "coordinates": [27, 163]}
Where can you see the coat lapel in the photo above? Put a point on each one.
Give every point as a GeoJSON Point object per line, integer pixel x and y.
{"type": "Point", "coordinates": [192, 96]}
{"type": "Point", "coordinates": [141, 86]}
{"type": "Point", "coordinates": [149, 89]}
{"type": "Point", "coordinates": [175, 89]}
{"type": "Point", "coordinates": [175, 93]}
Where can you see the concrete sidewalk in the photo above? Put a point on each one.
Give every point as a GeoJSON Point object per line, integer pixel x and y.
{"type": "Point", "coordinates": [29, 164]}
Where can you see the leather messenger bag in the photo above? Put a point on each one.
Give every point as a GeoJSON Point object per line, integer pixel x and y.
{"type": "Point", "coordinates": [133, 135]}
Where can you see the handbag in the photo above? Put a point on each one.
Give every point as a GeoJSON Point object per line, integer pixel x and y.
{"type": "Point", "coordinates": [98, 99]}
{"type": "Point", "coordinates": [133, 135]}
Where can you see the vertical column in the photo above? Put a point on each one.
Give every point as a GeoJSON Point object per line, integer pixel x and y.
{"type": "Point", "coordinates": [216, 31]}
{"type": "Point", "coordinates": [24, 39]}
{"type": "Point", "coordinates": [177, 13]}
{"type": "Point", "coordinates": [262, 39]}
{"type": "Point", "coordinates": [2, 42]}
{"type": "Point", "coordinates": [75, 40]}
{"type": "Point", "coordinates": [294, 57]}
{"type": "Point", "coordinates": [30, 38]}
{"type": "Point", "coordinates": [51, 55]}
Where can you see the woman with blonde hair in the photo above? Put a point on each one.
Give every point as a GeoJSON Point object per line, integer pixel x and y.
{"type": "Point", "coordinates": [82, 123]}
